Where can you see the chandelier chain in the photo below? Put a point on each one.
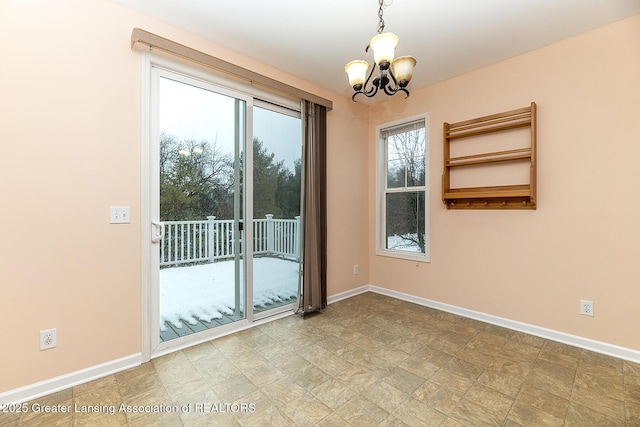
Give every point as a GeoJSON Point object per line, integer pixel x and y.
{"type": "Point", "coordinates": [381, 22]}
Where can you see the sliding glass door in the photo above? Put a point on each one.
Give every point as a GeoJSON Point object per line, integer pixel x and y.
{"type": "Point", "coordinates": [216, 155]}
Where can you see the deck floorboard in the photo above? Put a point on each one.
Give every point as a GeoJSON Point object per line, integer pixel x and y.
{"type": "Point", "coordinates": [173, 332]}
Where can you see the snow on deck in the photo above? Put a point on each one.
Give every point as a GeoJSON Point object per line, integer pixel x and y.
{"type": "Point", "coordinates": [207, 291]}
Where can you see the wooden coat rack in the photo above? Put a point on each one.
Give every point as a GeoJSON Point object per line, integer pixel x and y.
{"type": "Point", "coordinates": [520, 196]}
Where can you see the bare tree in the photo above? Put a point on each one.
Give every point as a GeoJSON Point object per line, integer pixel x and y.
{"type": "Point", "coordinates": [196, 179]}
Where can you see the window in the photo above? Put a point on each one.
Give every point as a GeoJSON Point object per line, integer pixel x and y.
{"type": "Point", "coordinates": [403, 181]}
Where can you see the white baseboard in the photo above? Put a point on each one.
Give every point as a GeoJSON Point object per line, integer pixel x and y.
{"type": "Point", "coordinates": [348, 294]}
{"type": "Point", "coordinates": [62, 382]}
{"type": "Point", "coordinates": [573, 340]}
{"type": "Point", "coordinates": [33, 391]}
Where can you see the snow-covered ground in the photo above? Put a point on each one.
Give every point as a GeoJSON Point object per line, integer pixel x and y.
{"type": "Point", "coordinates": [407, 243]}
{"type": "Point", "coordinates": [206, 291]}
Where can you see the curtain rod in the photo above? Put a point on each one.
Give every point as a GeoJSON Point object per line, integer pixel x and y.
{"type": "Point", "coordinates": [154, 41]}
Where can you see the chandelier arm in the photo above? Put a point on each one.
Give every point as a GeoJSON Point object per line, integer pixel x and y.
{"type": "Point", "coordinates": [393, 78]}
{"type": "Point", "coordinates": [391, 89]}
{"type": "Point", "coordinates": [369, 94]}
{"type": "Point", "coordinates": [372, 92]}
{"type": "Point", "coordinates": [364, 87]}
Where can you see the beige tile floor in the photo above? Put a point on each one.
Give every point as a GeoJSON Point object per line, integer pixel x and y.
{"type": "Point", "coordinates": [369, 360]}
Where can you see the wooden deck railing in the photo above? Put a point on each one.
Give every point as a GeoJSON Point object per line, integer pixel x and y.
{"type": "Point", "coordinates": [212, 239]}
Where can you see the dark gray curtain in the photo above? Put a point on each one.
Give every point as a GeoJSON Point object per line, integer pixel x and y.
{"type": "Point", "coordinates": [314, 219]}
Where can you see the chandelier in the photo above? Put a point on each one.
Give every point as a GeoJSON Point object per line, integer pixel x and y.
{"type": "Point", "coordinates": [395, 74]}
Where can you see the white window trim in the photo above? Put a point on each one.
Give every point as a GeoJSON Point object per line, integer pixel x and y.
{"type": "Point", "coordinates": [381, 176]}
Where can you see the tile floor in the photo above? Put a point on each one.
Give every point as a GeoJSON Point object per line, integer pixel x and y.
{"type": "Point", "coordinates": [369, 360]}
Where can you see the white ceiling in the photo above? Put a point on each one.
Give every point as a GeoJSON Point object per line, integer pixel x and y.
{"type": "Point", "coordinates": [314, 40]}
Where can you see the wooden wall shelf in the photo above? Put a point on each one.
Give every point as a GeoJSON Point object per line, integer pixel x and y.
{"type": "Point", "coordinates": [521, 196]}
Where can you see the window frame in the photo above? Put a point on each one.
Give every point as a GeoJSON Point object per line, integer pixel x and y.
{"type": "Point", "coordinates": [382, 190]}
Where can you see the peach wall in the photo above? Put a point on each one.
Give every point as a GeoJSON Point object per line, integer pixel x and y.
{"type": "Point", "coordinates": [347, 180]}
{"type": "Point", "coordinates": [582, 241]}
{"type": "Point", "coordinates": [70, 113]}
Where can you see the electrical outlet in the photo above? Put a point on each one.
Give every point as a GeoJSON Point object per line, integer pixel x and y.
{"type": "Point", "coordinates": [48, 339]}
{"type": "Point", "coordinates": [356, 270]}
{"type": "Point", "coordinates": [586, 308]}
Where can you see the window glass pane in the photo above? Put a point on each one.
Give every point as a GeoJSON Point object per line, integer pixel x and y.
{"type": "Point", "coordinates": [408, 148]}
{"type": "Point", "coordinates": [396, 174]}
{"type": "Point", "coordinates": [277, 164]}
{"type": "Point", "coordinates": [415, 172]}
{"type": "Point", "coordinates": [197, 137]}
{"type": "Point", "coordinates": [277, 180]}
{"type": "Point", "coordinates": [405, 221]}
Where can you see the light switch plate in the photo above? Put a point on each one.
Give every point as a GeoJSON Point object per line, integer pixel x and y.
{"type": "Point", "coordinates": [120, 214]}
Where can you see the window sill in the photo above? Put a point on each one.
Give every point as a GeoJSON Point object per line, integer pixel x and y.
{"type": "Point", "coordinates": [408, 256]}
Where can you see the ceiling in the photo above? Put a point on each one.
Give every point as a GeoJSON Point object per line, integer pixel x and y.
{"type": "Point", "coordinates": [314, 40]}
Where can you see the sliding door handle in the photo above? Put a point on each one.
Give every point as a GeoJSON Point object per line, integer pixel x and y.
{"type": "Point", "coordinates": [155, 238]}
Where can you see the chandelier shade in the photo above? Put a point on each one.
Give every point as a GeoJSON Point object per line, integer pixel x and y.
{"type": "Point", "coordinates": [402, 68]}
{"type": "Point", "coordinates": [394, 74]}
{"type": "Point", "coordinates": [357, 71]}
{"type": "Point", "coordinates": [384, 47]}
